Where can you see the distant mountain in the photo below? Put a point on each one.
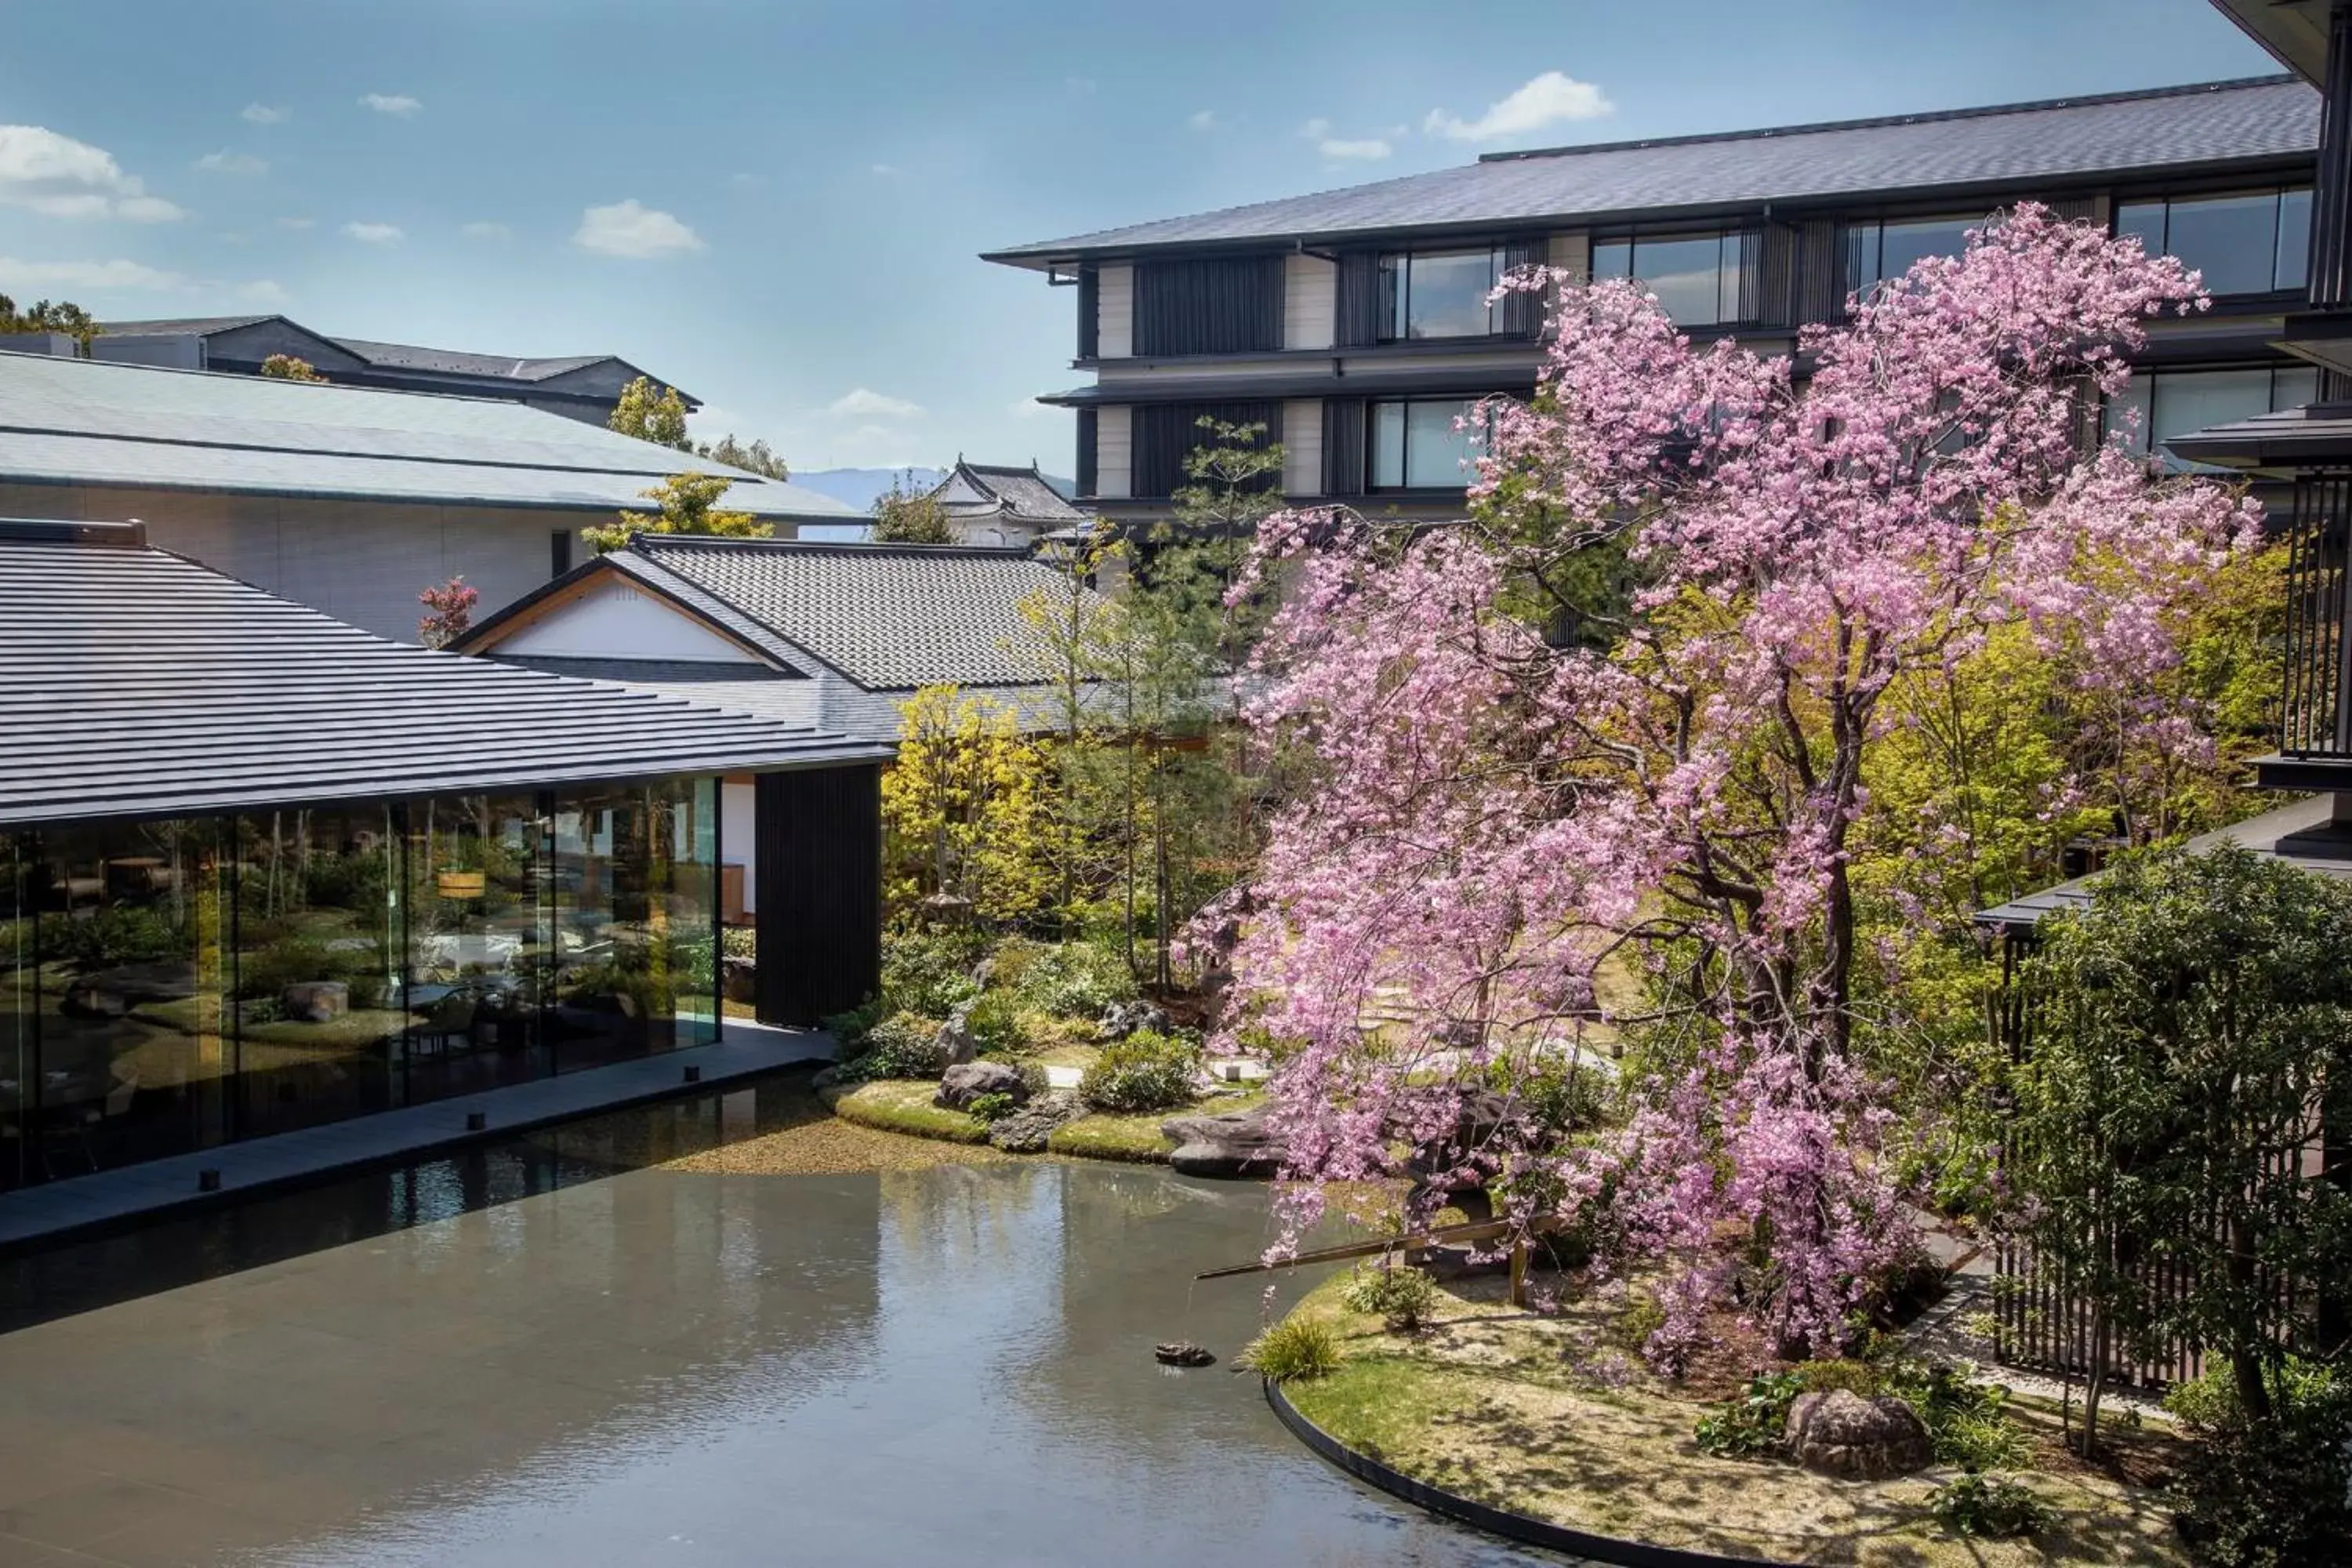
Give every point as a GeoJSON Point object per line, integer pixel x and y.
{"type": "Point", "coordinates": [859, 487]}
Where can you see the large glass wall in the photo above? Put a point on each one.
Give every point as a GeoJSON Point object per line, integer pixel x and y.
{"type": "Point", "coordinates": [167, 985]}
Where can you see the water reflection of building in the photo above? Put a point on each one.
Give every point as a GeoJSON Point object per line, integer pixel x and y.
{"type": "Point", "coordinates": [260, 870]}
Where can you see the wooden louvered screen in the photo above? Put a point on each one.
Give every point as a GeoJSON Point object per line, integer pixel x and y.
{"type": "Point", "coordinates": [1089, 433]}
{"type": "Point", "coordinates": [1343, 445]}
{"type": "Point", "coordinates": [819, 856]}
{"type": "Point", "coordinates": [1777, 251]}
{"type": "Point", "coordinates": [1166, 433]}
{"type": "Point", "coordinates": [1522, 313]}
{"type": "Point", "coordinates": [2316, 648]}
{"type": "Point", "coordinates": [1819, 294]}
{"type": "Point", "coordinates": [1226, 305]}
{"type": "Point", "coordinates": [1358, 321]}
{"type": "Point", "coordinates": [1089, 312]}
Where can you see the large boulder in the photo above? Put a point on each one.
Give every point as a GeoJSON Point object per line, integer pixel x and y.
{"type": "Point", "coordinates": [1121, 1020]}
{"type": "Point", "coordinates": [1237, 1144]}
{"type": "Point", "coordinates": [1026, 1129]}
{"type": "Point", "coordinates": [965, 1082]}
{"type": "Point", "coordinates": [315, 1000]}
{"type": "Point", "coordinates": [1840, 1433]}
{"type": "Point", "coordinates": [955, 1041]}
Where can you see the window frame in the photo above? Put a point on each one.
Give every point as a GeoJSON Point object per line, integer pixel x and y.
{"type": "Point", "coordinates": [1463, 406]}
{"type": "Point", "coordinates": [1393, 272]}
{"type": "Point", "coordinates": [1732, 261]}
{"type": "Point", "coordinates": [2278, 192]}
{"type": "Point", "coordinates": [2148, 448]}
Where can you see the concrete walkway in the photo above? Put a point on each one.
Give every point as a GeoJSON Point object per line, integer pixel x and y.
{"type": "Point", "coordinates": [157, 1187]}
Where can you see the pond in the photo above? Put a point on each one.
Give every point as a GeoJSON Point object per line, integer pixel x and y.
{"type": "Point", "coordinates": [562, 1350]}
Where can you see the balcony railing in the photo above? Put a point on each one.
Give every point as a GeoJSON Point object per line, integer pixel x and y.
{"type": "Point", "coordinates": [2318, 723]}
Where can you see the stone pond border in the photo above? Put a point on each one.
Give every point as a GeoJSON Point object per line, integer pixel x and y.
{"type": "Point", "coordinates": [1498, 1521]}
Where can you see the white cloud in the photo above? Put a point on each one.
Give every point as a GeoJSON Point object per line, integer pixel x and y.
{"type": "Point", "coordinates": [297, 223]}
{"type": "Point", "coordinates": [375, 233]}
{"type": "Point", "coordinates": [1364, 147]}
{"type": "Point", "coordinates": [866, 402]}
{"type": "Point", "coordinates": [232, 164]}
{"type": "Point", "coordinates": [1202, 120]}
{"type": "Point", "coordinates": [1030, 408]}
{"type": "Point", "coordinates": [87, 275]}
{"type": "Point", "coordinates": [1316, 130]}
{"type": "Point", "coordinates": [393, 103]}
{"type": "Point", "coordinates": [887, 171]}
{"type": "Point", "coordinates": [262, 114]}
{"type": "Point", "coordinates": [492, 231]}
{"type": "Point", "coordinates": [1546, 100]}
{"type": "Point", "coordinates": [641, 233]}
{"type": "Point", "coordinates": [61, 177]}
{"type": "Point", "coordinates": [263, 291]}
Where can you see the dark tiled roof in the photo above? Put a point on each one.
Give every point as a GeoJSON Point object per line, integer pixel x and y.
{"type": "Point", "coordinates": [1020, 492]}
{"type": "Point", "coordinates": [2013, 145]}
{"type": "Point", "coordinates": [69, 421]}
{"type": "Point", "coordinates": [453, 362]}
{"type": "Point", "coordinates": [182, 326]}
{"type": "Point", "coordinates": [888, 616]}
{"type": "Point", "coordinates": [2270, 834]}
{"type": "Point", "coordinates": [2319, 433]}
{"type": "Point", "coordinates": [136, 683]}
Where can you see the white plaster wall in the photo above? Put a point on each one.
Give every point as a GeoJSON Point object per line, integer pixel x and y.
{"type": "Point", "coordinates": [618, 621]}
{"type": "Point", "coordinates": [1570, 252]}
{"type": "Point", "coordinates": [361, 561]}
{"type": "Point", "coordinates": [1115, 307]}
{"type": "Point", "coordinates": [739, 834]}
{"type": "Point", "coordinates": [1302, 447]}
{"type": "Point", "coordinates": [1310, 286]}
{"type": "Point", "coordinates": [1114, 452]}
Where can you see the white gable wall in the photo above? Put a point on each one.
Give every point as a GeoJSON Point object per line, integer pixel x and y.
{"type": "Point", "coordinates": [615, 620]}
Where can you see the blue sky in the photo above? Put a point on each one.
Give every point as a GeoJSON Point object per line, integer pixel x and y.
{"type": "Point", "coordinates": [779, 206]}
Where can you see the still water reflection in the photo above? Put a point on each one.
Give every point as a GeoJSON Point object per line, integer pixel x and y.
{"type": "Point", "coordinates": [556, 1352]}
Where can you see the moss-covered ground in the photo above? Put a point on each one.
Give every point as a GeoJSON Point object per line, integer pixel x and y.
{"type": "Point", "coordinates": [1553, 1416]}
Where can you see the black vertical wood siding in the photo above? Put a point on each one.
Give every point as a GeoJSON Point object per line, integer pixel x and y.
{"type": "Point", "coordinates": [2331, 199]}
{"type": "Point", "coordinates": [1779, 256]}
{"type": "Point", "coordinates": [1089, 435]}
{"type": "Point", "coordinates": [1229, 305]}
{"type": "Point", "coordinates": [1343, 445]}
{"type": "Point", "coordinates": [820, 889]}
{"type": "Point", "coordinates": [1089, 312]}
{"type": "Point", "coordinates": [1358, 323]}
{"type": "Point", "coordinates": [1818, 295]}
{"type": "Point", "coordinates": [1521, 315]}
{"type": "Point", "coordinates": [1165, 433]}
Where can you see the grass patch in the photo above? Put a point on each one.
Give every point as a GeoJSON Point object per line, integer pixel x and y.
{"type": "Point", "coordinates": [898, 1105]}
{"type": "Point", "coordinates": [1136, 1139]}
{"type": "Point", "coordinates": [1542, 1416]}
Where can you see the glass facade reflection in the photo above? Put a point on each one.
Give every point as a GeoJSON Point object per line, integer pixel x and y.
{"type": "Point", "coordinates": [168, 985]}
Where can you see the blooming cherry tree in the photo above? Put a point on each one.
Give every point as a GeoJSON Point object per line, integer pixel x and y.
{"type": "Point", "coordinates": [1499, 823]}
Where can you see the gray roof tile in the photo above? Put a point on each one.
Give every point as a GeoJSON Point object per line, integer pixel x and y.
{"type": "Point", "coordinates": [134, 682]}
{"type": "Point", "coordinates": [2013, 145]}
{"type": "Point", "coordinates": [891, 617]}
{"type": "Point", "coordinates": [90, 421]}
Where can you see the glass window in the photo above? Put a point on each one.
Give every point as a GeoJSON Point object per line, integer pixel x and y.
{"type": "Point", "coordinates": [133, 1061]}
{"type": "Point", "coordinates": [1876, 252]}
{"type": "Point", "coordinates": [1697, 282]}
{"type": "Point", "coordinates": [319, 1000]}
{"type": "Point", "coordinates": [2243, 243]}
{"type": "Point", "coordinates": [2155, 408]}
{"type": "Point", "coordinates": [19, 999]}
{"type": "Point", "coordinates": [1421, 445]}
{"type": "Point", "coordinates": [1439, 294]}
{"type": "Point", "coordinates": [636, 921]}
{"type": "Point", "coordinates": [482, 941]}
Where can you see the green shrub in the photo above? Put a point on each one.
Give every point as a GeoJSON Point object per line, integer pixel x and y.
{"type": "Point", "coordinates": [120, 933]}
{"type": "Point", "coordinates": [740, 942]}
{"type": "Point", "coordinates": [929, 972]}
{"type": "Point", "coordinates": [1296, 1350]}
{"type": "Point", "coordinates": [1990, 1508]}
{"type": "Point", "coordinates": [1074, 980]}
{"type": "Point", "coordinates": [1557, 1096]}
{"type": "Point", "coordinates": [994, 1021]}
{"type": "Point", "coordinates": [1145, 1071]}
{"type": "Point", "coordinates": [850, 1028]}
{"type": "Point", "coordinates": [904, 1045]}
{"type": "Point", "coordinates": [1404, 1298]}
{"type": "Point", "coordinates": [992, 1108]}
{"type": "Point", "coordinates": [2271, 1494]}
{"type": "Point", "coordinates": [1968, 1421]}
{"type": "Point", "coordinates": [1753, 1423]}
{"type": "Point", "coordinates": [1854, 1376]}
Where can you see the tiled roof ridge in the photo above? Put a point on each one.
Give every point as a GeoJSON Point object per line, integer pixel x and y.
{"type": "Point", "coordinates": [1883, 122]}
{"type": "Point", "coordinates": [845, 547]}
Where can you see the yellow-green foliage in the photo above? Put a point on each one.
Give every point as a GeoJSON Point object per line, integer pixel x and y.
{"type": "Point", "coordinates": [688, 504]}
{"type": "Point", "coordinates": [1295, 1349]}
{"type": "Point", "coordinates": [651, 412]}
{"type": "Point", "coordinates": [964, 809]}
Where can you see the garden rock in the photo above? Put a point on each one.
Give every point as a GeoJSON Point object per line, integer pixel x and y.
{"type": "Point", "coordinates": [955, 1041]}
{"type": "Point", "coordinates": [316, 1001]}
{"type": "Point", "coordinates": [743, 976]}
{"type": "Point", "coordinates": [1840, 1433]}
{"type": "Point", "coordinates": [1237, 1144]}
{"type": "Point", "coordinates": [967, 1081]}
{"type": "Point", "coordinates": [1026, 1129]}
{"type": "Point", "coordinates": [1121, 1020]}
